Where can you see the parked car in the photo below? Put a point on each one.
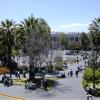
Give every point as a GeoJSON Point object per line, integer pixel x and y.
{"type": "Point", "coordinates": [61, 75]}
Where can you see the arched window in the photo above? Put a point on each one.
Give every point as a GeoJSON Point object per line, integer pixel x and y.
{"type": "Point", "coordinates": [54, 39]}
{"type": "Point", "coordinates": [71, 39]}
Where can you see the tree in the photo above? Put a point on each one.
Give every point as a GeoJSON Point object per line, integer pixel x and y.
{"type": "Point", "coordinates": [85, 41]}
{"type": "Point", "coordinates": [88, 76]}
{"type": "Point", "coordinates": [37, 43]}
{"type": "Point", "coordinates": [58, 62]}
{"type": "Point", "coordinates": [94, 29]}
{"type": "Point", "coordinates": [26, 28]}
{"type": "Point", "coordinates": [93, 65]}
{"type": "Point", "coordinates": [63, 40]}
{"type": "Point", "coordinates": [7, 31]}
{"type": "Point", "coordinates": [20, 38]}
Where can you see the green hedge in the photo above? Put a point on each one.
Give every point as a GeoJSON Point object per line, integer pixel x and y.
{"type": "Point", "coordinates": [84, 83]}
{"type": "Point", "coordinates": [88, 77]}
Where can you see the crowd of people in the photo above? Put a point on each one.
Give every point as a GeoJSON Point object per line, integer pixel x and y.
{"type": "Point", "coordinates": [76, 72]}
{"type": "Point", "coordinates": [71, 72]}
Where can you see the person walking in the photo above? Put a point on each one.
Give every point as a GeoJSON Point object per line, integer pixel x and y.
{"type": "Point", "coordinates": [65, 65]}
{"type": "Point", "coordinates": [24, 74]}
{"type": "Point", "coordinates": [18, 74]}
{"type": "Point", "coordinates": [71, 73]}
{"type": "Point", "coordinates": [68, 74]}
{"type": "Point", "coordinates": [76, 73]}
{"type": "Point", "coordinates": [78, 68]}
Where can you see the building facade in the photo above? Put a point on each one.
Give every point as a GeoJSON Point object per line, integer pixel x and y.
{"type": "Point", "coordinates": [74, 39]}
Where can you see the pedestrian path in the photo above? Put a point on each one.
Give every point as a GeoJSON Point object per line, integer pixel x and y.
{"type": "Point", "coordinates": [70, 87]}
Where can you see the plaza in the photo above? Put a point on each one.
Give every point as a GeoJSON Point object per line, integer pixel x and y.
{"type": "Point", "coordinates": [69, 88]}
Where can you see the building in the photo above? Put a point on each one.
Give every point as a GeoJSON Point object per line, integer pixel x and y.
{"type": "Point", "coordinates": [73, 38]}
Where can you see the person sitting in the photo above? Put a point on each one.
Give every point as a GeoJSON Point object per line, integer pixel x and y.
{"type": "Point", "coordinates": [45, 85]}
{"type": "Point", "coordinates": [3, 78]}
{"type": "Point", "coordinates": [30, 86]}
{"type": "Point", "coordinates": [6, 81]}
{"type": "Point", "coordinates": [26, 85]}
{"type": "Point", "coordinates": [10, 82]}
{"type": "Point", "coordinates": [88, 92]}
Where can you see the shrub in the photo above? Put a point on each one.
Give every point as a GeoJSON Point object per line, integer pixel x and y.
{"type": "Point", "coordinates": [84, 83]}
{"type": "Point", "coordinates": [58, 66]}
{"type": "Point", "coordinates": [88, 77]}
{"type": "Point", "coordinates": [58, 63]}
{"type": "Point", "coordinates": [88, 74]}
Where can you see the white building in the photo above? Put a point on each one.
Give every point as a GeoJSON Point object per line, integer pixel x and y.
{"type": "Point", "coordinates": [72, 38]}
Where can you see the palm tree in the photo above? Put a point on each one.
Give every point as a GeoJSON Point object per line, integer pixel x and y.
{"type": "Point", "coordinates": [20, 38]}
{"type": "Point", "coordinates": [36, 39]}
{"type": "Point", "coordinates": [7, 28]}
{"type": "Point", "coordinates": [43, 32]}
{"type": "Point", "coordinates": [28, 24]}
{"type": "Point", "coordinates": [26, 28]}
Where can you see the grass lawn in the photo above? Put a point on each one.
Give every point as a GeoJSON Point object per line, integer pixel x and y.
{"type": "Point", "coordinates": [51, 78]}
{"type": "Point", "coordinates": [21, 82]}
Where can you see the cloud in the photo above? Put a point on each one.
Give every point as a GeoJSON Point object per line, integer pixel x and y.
{"type": "Point", "coordinates": [71, 27]}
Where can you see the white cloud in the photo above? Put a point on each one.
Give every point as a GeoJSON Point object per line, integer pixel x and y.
{"type": "Point", "coordinates": [71, 27]}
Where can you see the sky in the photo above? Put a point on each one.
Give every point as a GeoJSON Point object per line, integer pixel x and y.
{"type": "Point", "coordinates": [61, 15]}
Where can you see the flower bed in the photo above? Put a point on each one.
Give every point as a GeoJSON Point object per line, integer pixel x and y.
{"type": "Point", "coordinates": [4, 70]}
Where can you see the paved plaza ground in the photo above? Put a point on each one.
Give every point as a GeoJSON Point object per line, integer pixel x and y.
{"type": "Point", "coordinates": [69, 88]}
